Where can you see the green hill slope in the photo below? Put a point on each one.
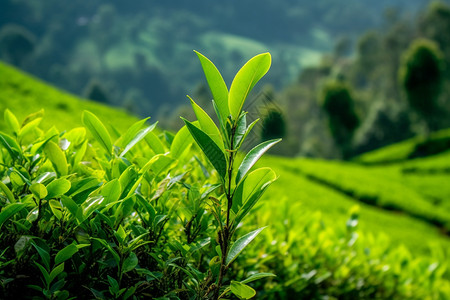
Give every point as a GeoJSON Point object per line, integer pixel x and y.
{"type": "Point", "coordinates": [23, 95]}
{"type": "Point", "coordinates": [411, 210]}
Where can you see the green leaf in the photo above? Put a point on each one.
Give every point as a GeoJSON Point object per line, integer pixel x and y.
{"type": "Point", "coordinates": [207, 124]}
{"type": "Point", "coordinates": [29, 127]}
{"type": "Point", "coordinates": [257, 276]}
{"type": "Point", "coordinates": [211, 150]}
{"type": "Point", "coordinates": [181, 142]}
{"type": "Point", "coordinates": [155, 143]}
{"type": "Point", "coordinates": [70, 205]}
{"type": "Point", "coordinates": [216, 84]}
{"type": "Point", "coordinates": [97, 129]}
{"type": "Point", "coordinates": [76, 136]}
{"type": "Point", "coordinates": [120, 234]}
{"type": "Point", "coordinates": [137, 138]}
{"type": "Point", "coordinates": [240, 244]}
{"type": "Point", "coordinates": [55, 272]}
{"type": "Point", "coordinates": [56, 208]}
{"type": "Point", "coordinates": [44, 273]}
{"type": "Point", "coordinates": [57, 158]}
{"type": "Point", "coordinates": [250, 190]}
{"type": "Point", "coordinates": [241, 128]}
{"type": "Point", "coordinates": [159, 163]}
{"type": "Point", "coordinates": [110, 249]}
{"type": "Point", "coordinates": [245, 80]}
{"type": "Point", "coordinates": [113, 283]}
{"type": "Point", "coordinates": [252, 157]}
{"type": "Point", "coordinates": [57, 188]}
{"type": "Point", "coordinates": [66, 253]}
{"type": "Point", "coordinates": [92, 204]}
{"type": "Point", "coordinates": [45, 256]}
{"type": "Point", "coordinates": [11, 121]}
{"type": "Point", "coordinates": [7, 192]}
{"type": "Point", "coordinates": [9, 211]}
{"type": "Point", "coordinates": [130, 262]}
{"type": "Point", "coordinates": [39, 190]}
{"type": "Point", "coordinates": [11, 145]}
{"type": "Point", "coordinates": [247, 131]}
{"type": "Point", "coordinates": [131, 133]}
{"type": "Point", "coordinates": [242, 290]}
{"type": "Point", "coordinates": [112, 190]}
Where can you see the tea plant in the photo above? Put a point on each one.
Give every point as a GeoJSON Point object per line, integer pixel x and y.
{"type": "Point", "coordinates": [92, 212]}
{"type": "Point", "coordinates": [241, 190]}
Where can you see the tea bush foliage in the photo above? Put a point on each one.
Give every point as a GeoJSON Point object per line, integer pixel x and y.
{"type": "Point", "coordinates": [95, 213]}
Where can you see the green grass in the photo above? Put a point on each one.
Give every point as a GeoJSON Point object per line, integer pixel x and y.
{"type": "Point", "coordinates": [23, 95]}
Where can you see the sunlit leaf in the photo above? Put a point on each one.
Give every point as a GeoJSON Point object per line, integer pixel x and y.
{"type": "Point", "coordinates": [252, 157]}
{"type": "Point", "coordinates": [9, 211]}
{"type": "Point", "coordinates": [98, 130]}
{"type": "Point", "coordinates": [216, 84]}
{"type": "Point", "coordinates": [240, 244]}
{"type": "Point", "coordinates": [242, 290]}
{"type": "Point", "coordinates": [57, 188]}
{"type": "Point", "coordinates": [57, 158]}
{"type": "Point", "coordinates": [245, 80]}
{"type": "Point", "coordinates": [207, 124]}
{"type": "Point", "coordinates": [209, 148]}
{"type": "Point", "coordinates": [66, 253]}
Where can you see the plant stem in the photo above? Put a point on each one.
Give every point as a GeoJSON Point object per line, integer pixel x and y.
{"type": "Point", "coordinates": [224, 235]}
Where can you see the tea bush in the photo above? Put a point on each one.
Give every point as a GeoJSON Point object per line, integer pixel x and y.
{"type": "Point", "coordinates": [97, 213]}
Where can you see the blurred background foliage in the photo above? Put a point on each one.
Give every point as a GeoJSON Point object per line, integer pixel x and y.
{"type": "Point", "coordinates": [346, 79]}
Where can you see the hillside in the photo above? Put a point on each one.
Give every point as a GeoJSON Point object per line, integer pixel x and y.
{"type": "Point", "coordinates": [24, 94]}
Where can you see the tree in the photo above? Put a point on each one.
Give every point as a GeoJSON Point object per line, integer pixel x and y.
{"type": "Point", "coordinates": [16, 43]}
{"type": "Point", "coordinates": [338, 103]}
{"type": "Point", "coordinates": [273, 124]}
{"type": "Point", "coordinates": [95, 91]}
{"type": "Point", "coordinates": [421, 75]}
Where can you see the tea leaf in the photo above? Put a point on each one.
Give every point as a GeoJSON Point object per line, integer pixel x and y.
{"type": "Point", "coordinates": [250, 190]}
{"type": "Point", "coordinates": [45, 256]}
{"type": "Point", "coordinates": [216, 84]}
{"type": "Point", "coordinates": [137, 138]}
{"type": "Point", "coordinates": [56, 208]}
{"type": "Point", "coordinates": [29, 127]}
{"type": "Point", "coordinates": [240, 244]}
{"type": "Point", "coordinates": [155, 143]}
{"type": "Point", "coordinates": [207, 124]}
{"type": "Point", "coordinates": [11, 121]}
{"type": "Point", "coordinates": [209, 147]}
{"type": "Point", "coordinates": [257, 276]}
{"type": "Point", "coordinates": [131, 132]}
{"type": "Point", "coordinates": [241, 290]}
{"type": "Point", "coordinates": [11, 145]}
{"type": "Point", "coordinates": [252, 157]}
{"type": "Point", "coordinates": [57, 158]}
{"type": "Point", "coordinates": [66, 253]}
{"type": "Point", "coordinates": [57, 188]}
{"type": "Point", "coordinates": [10, 210]}
{"type": "Point", "coordinates": [181, 142]}
{"type": "Point", "coordinates": [55, 272]}
{"type": "Point", "coordinates": [110, 249]}
{"type": "Point", "coordinates": [130, 262]}
{"type": "Point", "coordinates": [112, 190]}
{"type": "Point", "coordinates": [9, 195]}
{"type": "Point", "coordinates": [98, 130]}
{"type": "Point", "coordinates": [245, 80]}
{"type": "Point", "coordinates": [39, 190]}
